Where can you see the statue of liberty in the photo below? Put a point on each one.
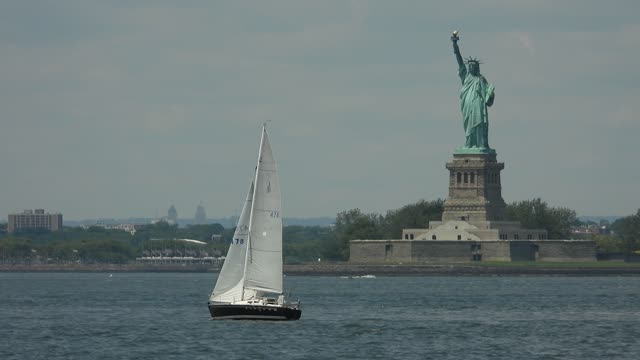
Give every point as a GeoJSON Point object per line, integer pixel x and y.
{"type": "Point", "coordinates": [476, 96]}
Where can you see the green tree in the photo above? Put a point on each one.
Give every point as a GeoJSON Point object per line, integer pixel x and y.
{"type": "Point", "coordinates": [96, 229]}
{"type": "Point", "coordinates": [627, 229]}
{"type": "Point", "coordinates": [351, 225]}
{"type": "Point", "coordinates": [159, 230]}
{"type": "Point", "coordinates": [200, 232]}
{"type": "Point", "coordinates": [106, 251]}
{"type": "Point", "coordinates": [61, 252]}
{"type": "Point", "coordinates": [607, 244]}
{"type": "Point", "coordinates": [536, 214]}
{"type": "Point", "coordinates": [305, 243]}
{"type": "Point", "coordinates": [15, 250]}
{"type": "Point", "coordinates": [410, 216]}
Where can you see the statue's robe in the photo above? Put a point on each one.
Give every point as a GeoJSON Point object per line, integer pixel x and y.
{"type": "Point", "coordinates": [476, 95]}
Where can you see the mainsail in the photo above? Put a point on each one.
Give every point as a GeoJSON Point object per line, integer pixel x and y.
{"type": "Point", "coordinates": [254, 261]}
{"type": "Point", "coordinates": [264, 261]}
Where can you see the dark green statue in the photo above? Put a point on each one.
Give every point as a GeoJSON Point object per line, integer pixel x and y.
{"type": "Point", "coordinates": [476, 96]}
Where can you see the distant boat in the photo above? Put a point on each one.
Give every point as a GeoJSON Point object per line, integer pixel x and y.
{"type": "Point", "coordinates": [249, 285]}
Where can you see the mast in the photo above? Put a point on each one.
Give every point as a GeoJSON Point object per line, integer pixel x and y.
{"type": "Point", "coordinates": [253, 199]}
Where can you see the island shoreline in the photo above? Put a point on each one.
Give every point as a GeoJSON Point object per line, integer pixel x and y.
{"type": "Point", "coordinates": [347, 269]}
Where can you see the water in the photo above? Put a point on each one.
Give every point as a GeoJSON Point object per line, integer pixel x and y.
{"type": "Point", "coordinates": [164, 316]}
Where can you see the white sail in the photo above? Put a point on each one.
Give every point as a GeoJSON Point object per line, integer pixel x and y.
{"type": "Point", "coordinates": [264, 260]}
{"type": "Point", "coordinates": [253, 265]}
{"type": "Point", "coordinates": [231, 278]}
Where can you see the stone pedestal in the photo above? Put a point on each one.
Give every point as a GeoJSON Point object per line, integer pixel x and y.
{"type": "Point", "coordinates": [475, 192]}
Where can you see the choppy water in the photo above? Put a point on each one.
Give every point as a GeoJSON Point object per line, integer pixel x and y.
{"type": "Point", "coordinates": [164, 316]}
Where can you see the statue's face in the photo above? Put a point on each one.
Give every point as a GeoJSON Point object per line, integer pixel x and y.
{"type": "Point", "coordinates": [474, 68]}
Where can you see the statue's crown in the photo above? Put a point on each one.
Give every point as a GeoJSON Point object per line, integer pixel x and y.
{"type": "Point", "coordinates": [473, 60]}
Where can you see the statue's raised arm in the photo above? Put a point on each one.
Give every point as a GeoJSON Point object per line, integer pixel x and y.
{"type": "Point", "coordinates": [462, 69]}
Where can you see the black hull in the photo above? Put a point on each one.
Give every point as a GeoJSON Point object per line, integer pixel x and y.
{"type": "Point", "coordinates": [254, 312]}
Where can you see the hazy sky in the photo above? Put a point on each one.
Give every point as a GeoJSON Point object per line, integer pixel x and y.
{"type": "Point", "coordinates": [122, 108]}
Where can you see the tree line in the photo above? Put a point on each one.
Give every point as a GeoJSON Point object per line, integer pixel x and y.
{"type": "Point", "coordinates": [301, 244]}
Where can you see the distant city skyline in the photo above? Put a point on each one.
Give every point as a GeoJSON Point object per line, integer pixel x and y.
{"type": "Point", "coordinates": [120, 109]}
{"type": "Point", "coordinates": [312, 219]}
{"type": "Point", "coordinates": [227, 222]}
{"type": "Point", "coordinates": [230, 221]}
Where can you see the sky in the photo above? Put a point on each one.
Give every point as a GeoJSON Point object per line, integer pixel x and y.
{"type": "Point", "coordinates": [115, 109]}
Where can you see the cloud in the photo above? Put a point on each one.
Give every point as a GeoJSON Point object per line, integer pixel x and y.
{"type": "Point", "coordinates": [525, 41]}
{"type": "Point", "coordinates": [624, 116]}
{"type": "Point", "coordinates": [166, 120]}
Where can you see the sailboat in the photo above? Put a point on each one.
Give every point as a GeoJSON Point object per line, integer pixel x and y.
{"type": "Point", "coordinates": [249, 285]}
